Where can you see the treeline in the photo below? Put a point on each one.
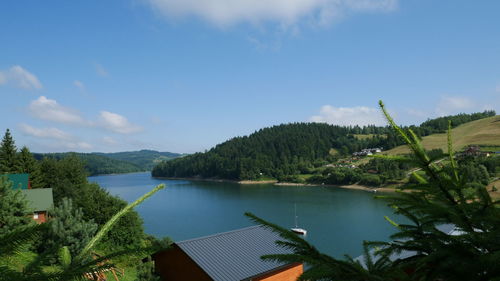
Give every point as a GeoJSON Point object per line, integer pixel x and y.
{"type": "Point", "coordinates": [436, 126]}
{"type": "Point", "coordinates": [440, 124]}
{"type": "Point", "coordinates": [80, 207]}
{"type": "Point", "coordinates": [99, 163]}
{"type": "Point", "coordinates": [95, 164]}
{"type": "Point", "coordinates": [275, 151]}
{"type": "Point", "coordinates": [145, 159]}
{"type": "Point", "coordinates": [290, 149]}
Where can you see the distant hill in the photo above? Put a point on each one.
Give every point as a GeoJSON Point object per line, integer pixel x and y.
{"type": "Point", "coordinates": [298, 148]}
{"type": "Point", "coordinates": [117, 163]}
{"type": "Point", "coordinates": [97, 164]}
{"type": "Point", "coordinates": [484, 132]}
{"type": "Point", "coordinates": [146, 159]}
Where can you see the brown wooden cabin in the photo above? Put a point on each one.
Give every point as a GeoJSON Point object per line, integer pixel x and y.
{"type": "Point", "coordinates": [228, 256]}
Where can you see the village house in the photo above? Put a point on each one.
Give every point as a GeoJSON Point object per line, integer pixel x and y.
{"type": "Point", "coordinates": [367, 151]}
{"type": "Point", "coordinates": [228, 256]}
{"type": "Point", "coordinates": [40, 200]}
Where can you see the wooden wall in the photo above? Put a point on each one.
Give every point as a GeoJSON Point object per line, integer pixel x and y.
{"type": "Point", "coordinates": [289, 273]}
{"type": "Point", "coordinates": [175, 265]}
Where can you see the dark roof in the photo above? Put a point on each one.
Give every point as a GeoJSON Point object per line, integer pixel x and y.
{"type": "Point", "coordinates": [19, 181]}
{"type": "Point", "coordinates": [234, 255]}
{"type": "Point", "coordinates": [39, 199]}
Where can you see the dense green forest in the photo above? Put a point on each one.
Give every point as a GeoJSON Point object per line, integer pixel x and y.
{"type": "Point", "coordinates": [283, 151]}
{"type": "Point", "coordinates": [80, 207]}
{"type": "Point", "coordinates": [98, 163]}
{"type": "Point", "coordinates": [145, 159]}
{"type": "Point", "coordinates": [275, 151]}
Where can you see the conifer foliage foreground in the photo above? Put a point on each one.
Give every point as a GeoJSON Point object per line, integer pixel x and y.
{"type": "Point", "coordinates": [442, 197]}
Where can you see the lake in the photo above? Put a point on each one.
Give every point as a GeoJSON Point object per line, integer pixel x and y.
{"type": "Point", "coordinates": [337, 220]}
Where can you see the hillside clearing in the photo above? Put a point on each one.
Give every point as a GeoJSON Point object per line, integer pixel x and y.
{"type": "Point", "coordinates": [480, 132]}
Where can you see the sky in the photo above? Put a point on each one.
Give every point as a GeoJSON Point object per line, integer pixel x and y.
{"type": "Point", "coordinates": [185, 75]}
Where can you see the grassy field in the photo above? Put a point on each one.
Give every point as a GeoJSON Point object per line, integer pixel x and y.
{"type": "Point", "coordinates": [480, 132]}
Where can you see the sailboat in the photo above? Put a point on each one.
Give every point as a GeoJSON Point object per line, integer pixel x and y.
{"type": "Point", "coordinates": [297, 229]}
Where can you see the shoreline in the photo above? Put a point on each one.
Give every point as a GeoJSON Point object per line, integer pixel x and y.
{"type": "Point", "coordinates": [276, 183]}
{"type": "Point", "coordinates": [115, 174]}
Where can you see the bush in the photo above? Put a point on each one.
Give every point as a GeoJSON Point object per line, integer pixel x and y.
{"type": "Point", "coordinates": [370, 180]}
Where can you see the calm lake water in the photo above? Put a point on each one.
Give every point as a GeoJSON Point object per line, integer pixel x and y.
{"type": "Point", "coordinates": [337, 220]}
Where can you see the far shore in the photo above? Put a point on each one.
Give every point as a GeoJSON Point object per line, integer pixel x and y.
{"type": "Point", "coordinates": [275, 182]}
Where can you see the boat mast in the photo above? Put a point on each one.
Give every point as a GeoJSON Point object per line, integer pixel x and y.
{"type": "Point", "coordinates": [295, 207]}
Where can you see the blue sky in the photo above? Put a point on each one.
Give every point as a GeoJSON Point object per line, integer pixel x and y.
{"type": "Point", "coordinates": [184, 75]}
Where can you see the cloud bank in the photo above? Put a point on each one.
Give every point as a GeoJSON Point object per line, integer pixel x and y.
{"type": "Point", "coordinates": [283, 12]}
{"type": "Point", "coordinates": [63, 139]}
{"type": "Point", "coordinates": [20, 78]}
{"type": "Point", "coordinates": [349, 116]}
{"type": "Point", "coordinates": [49, 110]}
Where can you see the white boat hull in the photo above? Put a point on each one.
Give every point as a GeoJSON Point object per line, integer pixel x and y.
{"type": "Point", "coordinates": [299, 231]}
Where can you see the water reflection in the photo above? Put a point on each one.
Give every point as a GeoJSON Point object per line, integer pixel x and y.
{"type": "Point", "coordinates": [337, 220]}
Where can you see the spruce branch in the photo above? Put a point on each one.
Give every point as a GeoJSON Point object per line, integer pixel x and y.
{"type": "Point", "coordinates": [112, 221]}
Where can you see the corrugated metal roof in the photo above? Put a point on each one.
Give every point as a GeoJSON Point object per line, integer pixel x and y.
{"type": "Point", "coordinates": [39, 199]}
{"type": "Point", "coordinates": [234, 255]}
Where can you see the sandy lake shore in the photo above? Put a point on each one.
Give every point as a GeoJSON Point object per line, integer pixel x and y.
{"type": "Point", "coordinates": [275, 182]}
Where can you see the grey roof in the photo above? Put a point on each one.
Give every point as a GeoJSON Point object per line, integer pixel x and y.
{"type": "Point", "coordinates": [39, 199]}
{"type": "Point", "coordinates": [234, 255]}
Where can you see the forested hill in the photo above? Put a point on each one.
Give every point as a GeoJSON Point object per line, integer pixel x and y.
{"type": "Point", "coordinates": [275, 151]}
{"type": "Point", "coordinates": [146, 159]}
{"type": "Point", "coordinates": [291, 149]}
{"type": "Point", "coordinates": [96, 164]}
{"type": "Point", "coordinates": [116, 163]}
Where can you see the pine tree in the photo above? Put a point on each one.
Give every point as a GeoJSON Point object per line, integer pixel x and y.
{"type": "Point", "coordinates": [13, 208]}
{"type": "Point", "coordinates": [70, 267]}
{"type": "Point", "coordinates": [68, 228]}
{"type": "Point", "coordinates": [29, 165]}
{"type": "Point", "coordinates": [8, 154]}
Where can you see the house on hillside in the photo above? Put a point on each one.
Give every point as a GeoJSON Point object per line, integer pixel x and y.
{"type": "Point", "coordinates": [367, 151]}
{"type": "Point", "coordinates": [40, 200]}
{"type": "Point", "coordinates": [228, 256]}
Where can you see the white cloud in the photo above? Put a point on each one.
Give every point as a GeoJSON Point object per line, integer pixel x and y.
{"type": "Point", "coordinates": [117, 123]}
{"type": "Point", "coordinates": [100, 70]}
{"type": "Point", "coordinates": [47, 109]}
{"type": "Point", "coordinates": [20, 77]}
{"type": "Point", "coordinates": [52, 133]}
{"type": "Point", "coordinates": [79, 85]}
{"type": "Point", "coordinates": [449, 105]}
{"type": "Point", "coordinates": [283, 12]}
{"type": "Point", "coordinates": [346, 116]}
{"type": "Point", "coordinates": [63, 139]}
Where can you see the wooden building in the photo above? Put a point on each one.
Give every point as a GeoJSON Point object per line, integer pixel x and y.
{"type": "Point", "coordinates": [40, 200]}
{"type": "Point", "coordinates": [228, 256]}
